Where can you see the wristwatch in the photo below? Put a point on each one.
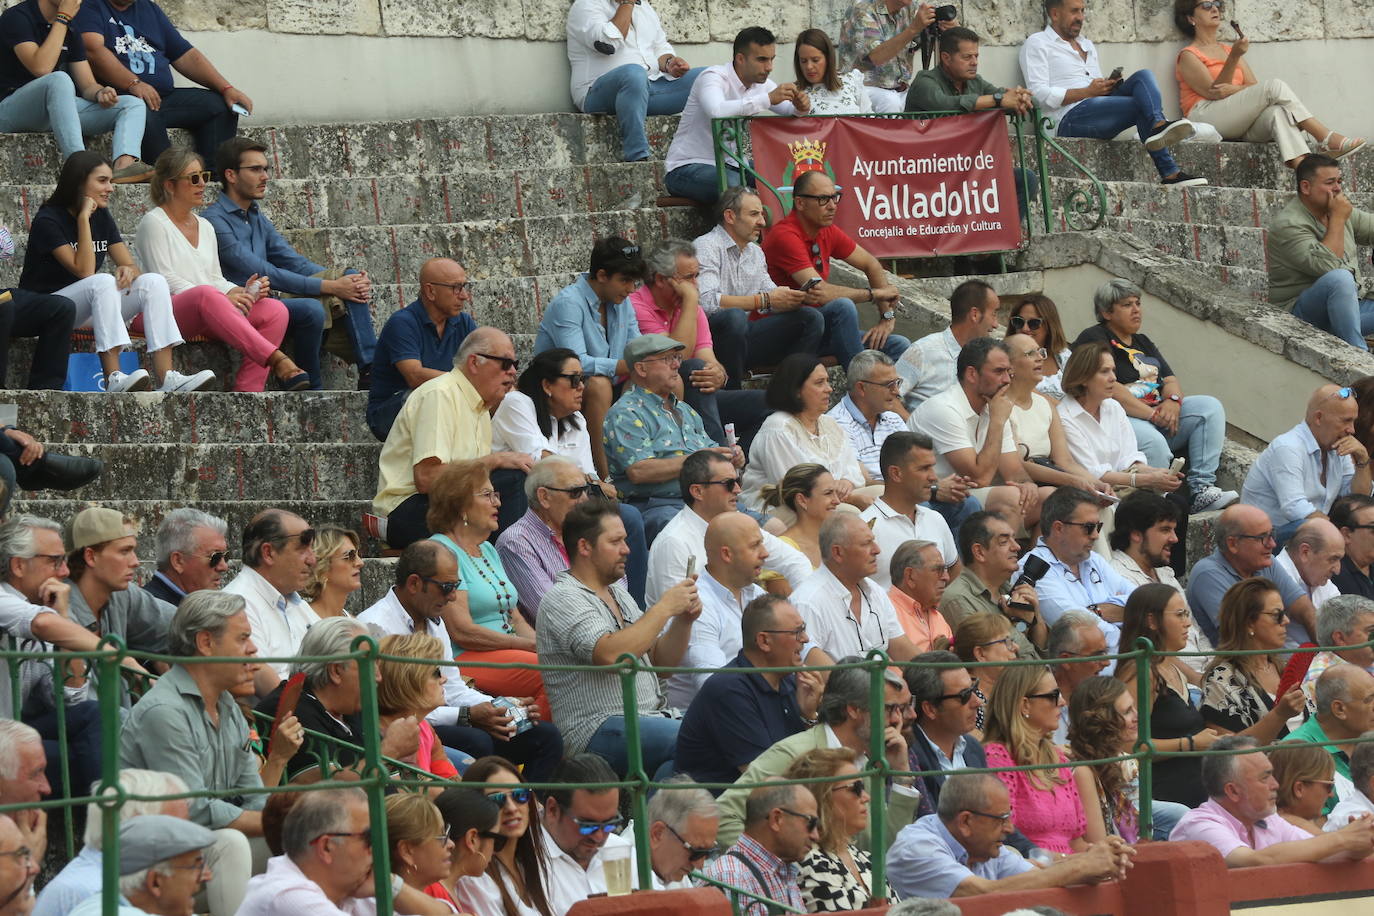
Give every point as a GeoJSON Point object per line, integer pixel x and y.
{"type": "Point", "coordinates": [997, 98]}
{"type": "Point", "coordinates": [934, 491]}
{"type": "Point", "coordinates": [465, 716]}
{"type": "Point", "coordinates": [1177, 399]}
{"type": "Point", "coordinates": [888, 315]}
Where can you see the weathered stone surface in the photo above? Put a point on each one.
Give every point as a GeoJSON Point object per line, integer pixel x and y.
{"type": "Point", "coordinates": [471, 18]}
{"type": "Point", "coordinates": [1155, 22]}
{"type": "Point", "coordinates": [1278, 22]}
{"type": "Point", "coordinates": [1348, 18]}
{"type": "Point", "coordinates": [216, 15]}
{"type": "Point", "coordinates": [338, 17]}
{"type": "Point", "coordinates": [1008, 24]}
{"type": "Point", "coordinates": [687, 22]}
{"type": "Point", "coordinates": [727, 17]}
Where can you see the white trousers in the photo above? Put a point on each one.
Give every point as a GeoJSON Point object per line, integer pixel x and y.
{"type": "Point", "coordinates": [886, 101]}
{"type": "Point", "coordinates": [101, 305]}
{"type": "Point", "coordinates": [232, 860]}
{"type": "Point", "coordinates": [1266, 112]}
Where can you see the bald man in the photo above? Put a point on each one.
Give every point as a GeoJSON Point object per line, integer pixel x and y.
{"type": "Point", "coordinates": [1312, 557]}
{"type": "Point", "coordinates": [418, 343]}
{"type": "Point", "coordinates": [734, 559]}
{"type": "Point", "coordinates": [1344, 712]}
{"type": "Point", "coordinates": [447, 419]}
{"type": "Point", "coordinates": [1245, 547]}
{"type": "Point", "coordinates": [1306, 469]}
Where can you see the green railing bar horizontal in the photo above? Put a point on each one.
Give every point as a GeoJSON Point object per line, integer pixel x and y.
{"type": "Point", "coordinates": [736, 892]}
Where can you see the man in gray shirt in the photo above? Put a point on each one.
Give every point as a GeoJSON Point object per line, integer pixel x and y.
{"type": "Point", "coordinates": [587, 618]}
{"type": "Point", "coordinates": [103, 562]}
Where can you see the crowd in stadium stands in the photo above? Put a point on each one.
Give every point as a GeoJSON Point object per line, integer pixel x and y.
{"type": "Point", "coordinates": [968, 499]}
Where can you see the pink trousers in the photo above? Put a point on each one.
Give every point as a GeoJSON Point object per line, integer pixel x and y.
{"type": "Point", "coordinates": [204, 311]}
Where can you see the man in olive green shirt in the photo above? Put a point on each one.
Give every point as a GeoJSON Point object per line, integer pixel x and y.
{"type": "Point", "coordinates": [987, 545]}
{"type": "Point", "coordinates": [1311, 249]}
{"type": "Point", "coordinates": [955, 85]}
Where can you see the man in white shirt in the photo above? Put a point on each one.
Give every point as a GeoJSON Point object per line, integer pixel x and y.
{"type": "Point", "coordinates": [739, 89]}
{"type": "Point", "coordinates": [735, 555]}
{"type": "Point", "coordinates": [1302, 472]}
{"type": "Point", "coordinates": [846, 612]}
{"type": "Point", "coordinates": [710, 486]}
{"type": "Point", "coordinates": [277, 562]}
{"type": "Point", "coordinates": [1062, 72]}
{"type": "Point", "coordinates": [908, 465]}
{"type": "Point", "coordinates": [927, 366]}
{"type": "Point", "coordinates": [682, 833]}
{"type": "Point", "coordinates": [1312, 557]}
{"type": "Point", "coordinates": [622, 64]}
{"type": "Point", "coordinates": [577, 825]}
{"type": "Point", "coordinates": [426, 584]}
{"type": "Point", "coordinates": [968, 425]}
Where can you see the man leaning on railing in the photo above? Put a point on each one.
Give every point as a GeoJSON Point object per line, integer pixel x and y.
{"type": "Point", "coordinates": [780, 826]}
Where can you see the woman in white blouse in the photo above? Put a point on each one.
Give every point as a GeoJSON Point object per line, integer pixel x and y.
{"type": "Point", "coordinates": [799, 432]}
{"type": "Point", "coordinates": [543, 415]}
{"type": "Point", "coordinates": [831, 92]}
{"type": "Point", "coordinates": [1099, 434]}
{"type": "Point", "coordinates": [175, 242]}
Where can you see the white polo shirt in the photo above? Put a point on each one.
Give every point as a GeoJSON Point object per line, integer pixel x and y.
{"type": "Point", "coordinates": [892, 529]}
{"type": "Point", "coordinates": [952, 423]}
{"type": "Point", "coordinates": [823, 602]}
{"type": "Point", "coordinates": [278, 621]}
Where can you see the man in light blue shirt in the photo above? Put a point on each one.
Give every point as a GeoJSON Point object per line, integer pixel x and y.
{"type": "Point", "coordinates": [1078, 577]}
{"type": "Point", "coordinates": [177, 845]}
{"type": "Point", "coordinates": [928, 366]}
{"type": "Point", "coordinates": [959, 853]}
{"type": "Point", "coordinates": [1305, 470]}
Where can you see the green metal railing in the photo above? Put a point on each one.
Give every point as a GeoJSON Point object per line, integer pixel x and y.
{"type": "Point", "coordinates": [379, 774]}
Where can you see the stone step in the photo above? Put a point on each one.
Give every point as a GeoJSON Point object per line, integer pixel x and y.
{"type": "Point", "coordinates": [1239, 246]}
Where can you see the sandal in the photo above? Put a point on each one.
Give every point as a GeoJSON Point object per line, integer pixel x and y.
{"type": "Point", "coordinates": [1347, 145]}
{"type": "Point", "coordinates": [299, 380]}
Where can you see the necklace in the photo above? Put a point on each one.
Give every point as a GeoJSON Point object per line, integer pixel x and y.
{"type": "Point", "coordinates": [500, 586]}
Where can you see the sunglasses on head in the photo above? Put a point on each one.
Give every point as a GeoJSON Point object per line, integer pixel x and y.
{"type": "Point", "coordinates": [519, 796]}
{"type": "Point", "coordinates": [1017, 323]}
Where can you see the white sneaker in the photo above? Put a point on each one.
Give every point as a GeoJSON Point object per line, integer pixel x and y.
{"type": "Point", "coordinates": [175, 381]}
{"type": "Point", "coordinates": [135, 381]}
{"type": "Point", "coordinates": [1210, 499]}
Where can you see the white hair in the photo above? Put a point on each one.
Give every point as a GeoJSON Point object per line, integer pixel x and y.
{"type": "Point", "coordinates": [14, 735]}
{"type": "Point", "coordinates": [134, 782]}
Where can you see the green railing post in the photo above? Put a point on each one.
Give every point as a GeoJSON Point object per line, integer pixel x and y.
{"type": "Point", "coordinates": [107, 692]}
{"type": "Point", "coordinates": [1144, 745]}
{"type": "Point", "coordinates": [374, 771]}
{"type": "Point", "coordinates": [628, 668]}
{"type": "Point", "coordinates": [1044, 165]}
{"type": "Point", "coordinates": [56, 665]}
{"type": "Point", "coordinates": [877, 760]}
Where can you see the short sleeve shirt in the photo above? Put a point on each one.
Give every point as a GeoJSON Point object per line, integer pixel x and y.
{"type": "Point", "coordinates": [52, 228]}
{"type": "Point", "coordinates": [952, 424]}
{"type": "Point", "coordinates": [444, 419]}
{"type": "Point", "coordinates": [141, 36]}
{"type": "Point", "coordinates": [25, 23]}
{"type": "Point", "coordinates": [789, 250]}
{"type": "Point", "coordinates": [639, 427]}
{"type": "Point", "coordinates": [412, 334]}
{"type": "Point", "coordinates": [653, 321]}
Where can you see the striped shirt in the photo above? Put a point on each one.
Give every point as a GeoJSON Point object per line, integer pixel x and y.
{"type": "Point", "coordinates": [780, 878]}
{"type": "Point", "coordinates": [533, 556]}
{"type": "Point", "coordinates": [867, 440]}
{"type": "Point", "coordinates": [729, 270]}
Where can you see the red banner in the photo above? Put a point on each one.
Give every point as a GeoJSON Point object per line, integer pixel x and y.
{"type": "Point", "coordinates": [912, 188]}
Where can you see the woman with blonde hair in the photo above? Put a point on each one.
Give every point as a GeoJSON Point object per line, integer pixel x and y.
{"type": "Point", "coordinates": [836, 875]}
{"type": "Point", "coordinates": [484, 623]}
{"type": "Point", "coordinates": [176, 243]}
{"type": "Point", "coordinates": [1047, 805]}
{"type": "Point", "coordinates": [421, 849]}
{"type": "Point", "coordinates": [516, 875]}
{"type": "Point", "coordinates": [411, 689]}
{"type": "Point", "coordinates": [810, 493]}
{"type": "Point", "coordinates": [337, 573]}
{"type": "Point", "coordinates": [1239, 693]}
{"type": "Point", "coordinates": [1306, 774]}
{"type": "Point", "coordinates": [984, 637]}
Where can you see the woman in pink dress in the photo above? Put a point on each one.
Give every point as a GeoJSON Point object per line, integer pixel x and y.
{"type": "Point", "coordinates": [1023, 713]}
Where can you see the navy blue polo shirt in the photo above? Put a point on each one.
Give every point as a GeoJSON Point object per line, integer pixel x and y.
{"type": "Point", "coordinates": [733, 719]}
{"type": "Point", "coordinates": [410, 334]}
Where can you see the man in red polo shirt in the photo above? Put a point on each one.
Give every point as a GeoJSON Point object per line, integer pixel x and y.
{"type": "Point", "coordinates": [799, 249]}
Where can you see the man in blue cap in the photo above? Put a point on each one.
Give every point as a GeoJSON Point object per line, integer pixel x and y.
{"type": "Point", "coordinates": [161, 867]}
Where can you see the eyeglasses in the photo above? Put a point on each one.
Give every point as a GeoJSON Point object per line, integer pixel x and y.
{"type": "Point", "coordinates": [892, 385]}
{"type": "Point", "coordinates": [196, 178]}
{"type": "Point", "coordinates": [519, 796]}
{"type": "Point", "coordinates": [893, 708]}
{"type": "Point", "coordinates": [1004, 641]}
{"type": "Point", "coordinates": [689, 278]}
{"type": "Point", "coordinates": [56, 559]}
{"type": "Point", "coordinates": [590, 828]}
{"type": "Point", "coordinates": [487, 495]}
{"type": "Point", "coordinates": [1052, 696]}
{"type": "Point", "coordinates": [487, 835]}
{"type": "Point", "coordinates": [199, 866]}
{"type": "Point", "coordinates": [1038, 353]}
{"type": "Point", "coordinates": [857, 787]}
{"type": "Point", "coordinates": [1090, 528]}
{"type": "Point", "coordinates": [1360, 527]}
{"type": "Point", "coordinates": [730, 483]}
{"type": "Point", "coordinates": [446, 588]}
{"type": "Point", "coordinates": [22, 854]}
{"type": "Point", "coordinates": [962, 696]}
{"type": "Point", "coordinates": [437, 674]}
{"type": "Point", "coordinates": [1017, 323]}
{"type": "Point", "coordinates": [812, 821]}
{"type": "Point", "coordinates": [348, 556]}
{"type": "Point", "coordinates": [1217, 5]}
{"type": "Point", "coordinates": [574, 379]}
{"type": "Point", "coordinates": [1279, 616]}
{"type": "Point", "coordinates": [672, 359]}
{"type": "Point", "coordinates": [442, 839]}
{"type": "Point", "coordinates": [799, 633]}
{"type": "Point", "coordinates": [508, 364]}
{"type": "Point", "coordinates": [995, 817]}
{"type": "Point", "coordinates": [307, 537]}
{"type": "Point", "coordinates": [1328, 784]}
{"type": "Point", "coordinates": [219, 556]}
{"type": "Point", "coordinates": [575, 492]}
{"type": "Point", "coordinates": [694, 853]}
{"type": "Point", "coordinates": [822, 199]}
{"type": "Point", "coordinates": [1263, 537]}
{"type": "Point", "coordinates": [364, 835]}
{"type": "Point", "coordinates": [458, 288]}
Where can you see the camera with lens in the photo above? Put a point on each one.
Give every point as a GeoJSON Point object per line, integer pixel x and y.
{"type": "Point", "coordinates": [930, 35]}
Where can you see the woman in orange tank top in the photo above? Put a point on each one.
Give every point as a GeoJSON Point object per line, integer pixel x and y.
{"type": "Point", "coordinates": [1216, 86]}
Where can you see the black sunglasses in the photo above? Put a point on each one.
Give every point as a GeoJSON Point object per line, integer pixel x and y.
{"type": "Point", "coordinates": [857, 787]}
{"type": "Point", "coordinates": [730, 483]}
{"type": "Point", "coordinates": [1090, 528]}
{"type": "Point", "coordinates": [575, 379]}
{"type": "Point", "coordinates": [1052, 696]}
{"type": "Point", "coordinates": [823, 199]}
{"type": "Point", "coordinates": [694, 853]}
{"type": "Point", "coordinates": [519, 796]}
{"type": "Point", "coordinates": [1030, 324]}
{"type": "Point", "coordinates": [219, 556]}
{"type": "Point", "coordinates": [576, 492]}
{"type": "Point", "coordinates": [307, 537]}
{"type": "Point", "coordinates": [447, 588]}
{"type": "Point", "coordinates": [962, 696]}
{"type": "Point", "coordinates": [507, 363]}
{"type": "Point", "coordinates": [812, 821]}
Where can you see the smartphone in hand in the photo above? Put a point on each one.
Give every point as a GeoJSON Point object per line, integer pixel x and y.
{"type": "Point", "coordinates": [1116, 75]}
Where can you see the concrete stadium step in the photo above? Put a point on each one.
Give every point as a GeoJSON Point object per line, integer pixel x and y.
{"type": "Point", "coordinates": [1239, 246]}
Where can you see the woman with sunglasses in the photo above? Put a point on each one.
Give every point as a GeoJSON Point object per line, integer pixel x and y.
{"type": "Point", "coordinates": [337, 573]}
{"type": "Point", "coordinates": [1048, 806]}
{"type": "Point", "coordinates": [1100, 437]}
{"type": "Point", "coordinates": [411, 689]}
{"type": "Point", "coordinates": [1158, 612]}
{"type": "Point", "coordinates": [68, 241]}
{"type": "Point", "coordinates": [1038, 316]}
{"type": "Point", "coordinates": [176, 243]}
{"type": "Point", "coordinates": [1306, 774]}
{"type": "Point", "coordinates": [836, 876]}
{"type": "Point", "coordinates": [984, 637]}
{"type": "Point", "coordinates": [484, 623]}
{"type": "Point", "coordinates": [1217, 87]}
{"type": "Point", "coordinates": [515, 877]}
{"type": "Point", "coordinates": [1165, 423]}
{"type": "Point", "coordinates": [831, 92]}
{"type": "Point", "coordinates": [420, 846]}
{"type": "Point", "coordinates": [1239, 693]}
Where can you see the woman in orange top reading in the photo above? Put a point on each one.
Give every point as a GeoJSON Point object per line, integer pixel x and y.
{"type": "Point", "coordinates": [1217, 87]}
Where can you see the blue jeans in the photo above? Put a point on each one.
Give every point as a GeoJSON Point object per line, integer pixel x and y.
{"type": "Point", "coordinates": [1334, 305]}
{"type": "Point", "coordinates": [741, 344]}
{"type": "Point", "coordinates": [656, 511]}
{"type": "Point", "coordinates": [305, 328]}
{"type": "Point", "coordinates": [842, 338]}
{"type": "Point", "coordinates": [657, 741]}
{"type": "Point", "coordinates": [955, 514]}
{"type": "Point", "coordinates": [1201, 433]}
{"type": "Point", "coordinates": [1135, 101]}
{"type": "Point", "coordinates": [697, 181]}
{"type": "Point", "coordinates": [50, 102]}
{"type": "Point", "coordinates": [745, 409]}
{"type": "Point", "coordinates": [1166, 815]}
{"type": "Point", "coordinates": [629, 94]}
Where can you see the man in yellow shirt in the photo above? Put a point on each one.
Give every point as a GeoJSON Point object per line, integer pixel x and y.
{"type": "Point", "coordinates": [446, 419]}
